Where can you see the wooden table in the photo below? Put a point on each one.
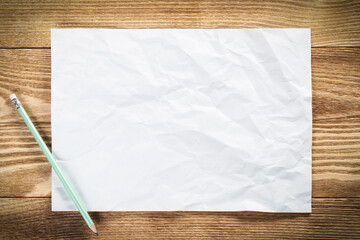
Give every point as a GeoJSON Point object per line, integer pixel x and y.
{"type": "Point", "coordinates": [25, 175]}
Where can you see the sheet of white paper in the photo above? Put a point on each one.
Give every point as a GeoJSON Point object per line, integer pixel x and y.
{"type": "Point", "coordinates": [170, 119]}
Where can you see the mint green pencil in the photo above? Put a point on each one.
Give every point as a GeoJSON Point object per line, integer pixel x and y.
{"type": "Point", "coordinates": [80, 206]}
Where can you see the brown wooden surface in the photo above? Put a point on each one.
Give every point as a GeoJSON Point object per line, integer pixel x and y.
{"type": "Point", "coordinates": [25, 175]}
{"type": "Point", "coordinates": [30, 218]}
{"type": "Point", "coordinates": [27, 23]}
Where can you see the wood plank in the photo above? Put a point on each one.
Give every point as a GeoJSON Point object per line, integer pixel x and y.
{"type": "Point", "coordinates": [31, 218]}
{"type": "Point", "coordinates": [336, 125]}
{"type": "Point", "coordinates": [28, 23]}
{"type": "Point", "coordinates": [24, 170]}
{"type": "Point", "coordinates": [26, 72]}
{"type": "Point", "coordinates": [336, 122]}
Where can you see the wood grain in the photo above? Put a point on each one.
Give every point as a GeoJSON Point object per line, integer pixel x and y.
{"type": "Point", "coordinates": [25, 173]}
{"type": "Point", "coordinates": [27, 23]}
{"type": "Point", "coordinates": [336, 124]}
{"type": "Point", "coordinates": [32, 219]}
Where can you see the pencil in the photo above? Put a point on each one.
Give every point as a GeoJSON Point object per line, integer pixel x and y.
{"type": "Point", "coordinates": [79, 205]}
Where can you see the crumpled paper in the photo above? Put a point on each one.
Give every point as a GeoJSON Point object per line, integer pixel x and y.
{"type": "Point", "coordinates": [182, 119]}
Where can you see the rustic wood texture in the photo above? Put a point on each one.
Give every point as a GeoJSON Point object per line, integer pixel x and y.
{"type": "Point", "coordinates": [29, 218]}
{"type": "Point", "coordinates": [27, 23]}
{"type": "Point", "coordinates": [25, 175]}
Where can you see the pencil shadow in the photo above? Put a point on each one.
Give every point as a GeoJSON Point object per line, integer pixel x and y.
{"type": "Point", "coordinates": [96, 217]}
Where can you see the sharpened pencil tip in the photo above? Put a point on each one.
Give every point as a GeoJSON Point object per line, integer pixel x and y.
{"type": "Point", "coordinates": [93, 228]}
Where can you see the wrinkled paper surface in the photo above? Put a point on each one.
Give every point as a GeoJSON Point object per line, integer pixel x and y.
{"type": "Point", "coordinates": [170, 119]}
